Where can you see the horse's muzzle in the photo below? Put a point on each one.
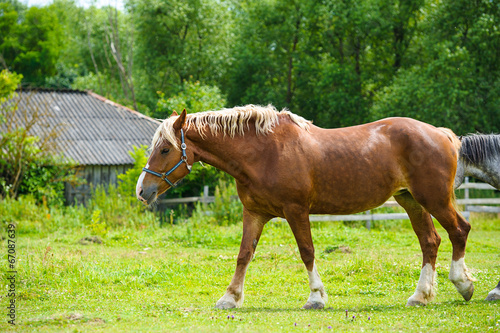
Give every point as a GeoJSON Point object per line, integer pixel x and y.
{"type": "Point", "coordinates": [146, 195]}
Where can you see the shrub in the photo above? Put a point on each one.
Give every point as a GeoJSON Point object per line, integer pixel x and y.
{"type": "Point", "coordinates": [128, 180]}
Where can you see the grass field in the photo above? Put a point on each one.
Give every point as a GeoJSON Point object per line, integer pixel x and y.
{"type": "Point", "coordinates": [168, 279]}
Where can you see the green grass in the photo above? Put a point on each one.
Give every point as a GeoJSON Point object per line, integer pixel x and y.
{"type": "Point", "coordinates": [168, 279]}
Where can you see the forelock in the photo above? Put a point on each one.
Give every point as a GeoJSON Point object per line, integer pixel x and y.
{"type": "Point", "coordinates": [166, 133]}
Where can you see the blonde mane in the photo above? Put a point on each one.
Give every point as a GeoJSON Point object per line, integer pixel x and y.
{"type": "Point", "coordinates": [228, 121]}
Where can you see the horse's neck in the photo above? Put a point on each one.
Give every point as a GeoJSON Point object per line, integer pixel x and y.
{"type": "Point", "coordinates": [487, 171]}
{"type": "Point", "coordinates": [228, 155]}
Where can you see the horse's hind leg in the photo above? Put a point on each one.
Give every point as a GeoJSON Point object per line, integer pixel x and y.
{"type": "Point", "coordinates": [298, 219]}
{"type": "Point", "coordinates": [252, 229]}
{"type": "Point", "coordinates": [494, 295]}
{"type": "Point", "coordinates": [458, 230]}
{"type": "Point", "coordinates": [429, 239]}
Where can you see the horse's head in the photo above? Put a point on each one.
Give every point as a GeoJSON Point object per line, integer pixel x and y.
{"type": "Point", "coordinates": [168, 162]}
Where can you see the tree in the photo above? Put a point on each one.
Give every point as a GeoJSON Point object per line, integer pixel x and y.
{"type": "Point", "coordinates": [194, 97]}
{"type": "Point", "coordinates": [177, 40]}
{"type": "Point", "coordinates": [456, 81]}
{"type": "Point", "coordinates": [34, 45]}
{"type": "Point", "coordinates": [29, 163]}
{"type": "Point", "coordinates": [8, 32]}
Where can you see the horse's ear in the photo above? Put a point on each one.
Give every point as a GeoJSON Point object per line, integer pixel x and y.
{"type": "Point", "coordinates": [179, 123]}
{"type": "Point", "coordinates": [174, 113]}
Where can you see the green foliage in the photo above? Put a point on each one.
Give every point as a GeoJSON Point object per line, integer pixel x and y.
{"type": "Point", "coordinates": [8, 32]}
{"type": "Point", "coordinates": [200, 176]}
{"type": "Point", "coordinates": [64, 77]}
{"type": "Point", "coordinates": [34, 44]}
{"type": "Point", "coordinates": [336, 100]}
{"type": "Point", "coordinates": [97, 227]}
{"type": "Point", "coordinates": [338, 63]}
{"type": "Point", "coordinates": [128, 180]}
{"type": "Point", "coordinates": [179, 39]}
{"type": "Point", "coordinates": [26, 167]}
{"type": "Point", "coordinates": [106, 212]}
{"type": "Point", "coordinates": [8, 84]}
{"type": "Point", "coordinates": [226, 210]}
{"type": "Point", "coordinates": [194, 97]}
{"type": "Point", "coordinates": [91, 81]}
{"type": "Point", "coordinates": [456, 82]}
{"type": "Point", "coordinates": [117, 210]}
{"type": "Point", "coordinates": [44, 177]}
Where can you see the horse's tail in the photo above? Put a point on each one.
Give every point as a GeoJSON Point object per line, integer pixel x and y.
{"type": "Point", "coordinates": [452, 137]}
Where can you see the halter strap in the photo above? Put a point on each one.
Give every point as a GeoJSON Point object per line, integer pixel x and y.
{"type": "Point", "coordinates": [163, 176]}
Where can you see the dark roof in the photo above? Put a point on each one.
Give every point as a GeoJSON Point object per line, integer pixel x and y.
{"type": "Point", "coordinates": [94, 130]}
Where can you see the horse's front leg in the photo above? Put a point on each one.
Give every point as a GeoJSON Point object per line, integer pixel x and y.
{"type": "Point", "coordinates": [298, 219]}
{"type": "Point", "coordinates": [252, 229]}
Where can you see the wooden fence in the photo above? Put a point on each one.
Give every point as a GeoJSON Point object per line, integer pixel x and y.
{"type": "Point", "coordinates": [470, 205]}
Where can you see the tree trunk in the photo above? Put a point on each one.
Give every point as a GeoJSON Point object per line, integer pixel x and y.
{"type": "Point", "coordinates": [93, 58]}
{"type": "Point", "coordinates": [289, 90]}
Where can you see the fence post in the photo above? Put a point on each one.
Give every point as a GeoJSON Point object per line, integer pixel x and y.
{"type": "Point", "coordinates": [369, 221]}
{"type": "Point", "coordinates": [205, 196]}
{"type": "Point", "coordinates": [466, 196]}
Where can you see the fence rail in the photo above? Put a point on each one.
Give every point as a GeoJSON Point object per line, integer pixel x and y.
{"type": "Point", "coordinates": [470, 205]}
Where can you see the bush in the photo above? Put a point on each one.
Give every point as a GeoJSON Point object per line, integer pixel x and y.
{"type": "Point", "coordinates": [128, 180]}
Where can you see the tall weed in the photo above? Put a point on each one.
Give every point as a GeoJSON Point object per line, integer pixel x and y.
{"type": "Point", "coordinates": [117, 210]}
{"type": "Point", "coordinates": [226, 210]}
{"type": "Point", "coordinates": [105, 210]}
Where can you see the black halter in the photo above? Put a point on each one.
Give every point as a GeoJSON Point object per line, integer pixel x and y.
{"type": "Point", "coordinates": [163, 176]}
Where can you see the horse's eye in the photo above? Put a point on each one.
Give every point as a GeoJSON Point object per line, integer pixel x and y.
{"type": "Point", "coordinates": [165, 151]}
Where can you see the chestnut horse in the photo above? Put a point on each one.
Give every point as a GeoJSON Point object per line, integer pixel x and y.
{"type": "Point", "coordinates": [286, 167]}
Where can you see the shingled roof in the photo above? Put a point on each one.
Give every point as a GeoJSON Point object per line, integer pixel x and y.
{"type": "Point", "coordinates": [94, 130]}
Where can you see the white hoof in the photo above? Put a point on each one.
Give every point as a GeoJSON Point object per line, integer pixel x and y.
{"type": "Point", "coordinates": [314, 305]}
{"type": "Point", "coordinates": [461, 279]}
{"type": "Point", "coordinates": [229, 301]}
{"type": "Point", "coordinates": [466, 289]}
{"type": "Point", "coordinates": [417, 299]}
{"type": "Point", "coordinates": [317, 299]}
{"type": "Point", "coordinates": [426, 287]}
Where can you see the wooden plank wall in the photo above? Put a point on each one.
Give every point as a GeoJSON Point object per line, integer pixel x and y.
{"type": "Point", "coordinates": [94, 175]}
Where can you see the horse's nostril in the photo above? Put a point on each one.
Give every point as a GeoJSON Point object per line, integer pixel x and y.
{"type": "Point", "coordinates": [140, 193]}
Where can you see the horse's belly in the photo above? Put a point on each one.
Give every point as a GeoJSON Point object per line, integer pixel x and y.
{"type": "Point", "coordinates": [349, 195]}
{"type": "Point", "coordinates": [347, 205]}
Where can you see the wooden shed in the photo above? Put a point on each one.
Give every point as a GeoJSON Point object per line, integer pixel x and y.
{"type": "Point", "coordinates": [96, 133]}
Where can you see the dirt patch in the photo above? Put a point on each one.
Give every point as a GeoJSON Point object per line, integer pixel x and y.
{"type": "Point", "coordinates": [90, 240]}
{"type": "Point", "coordinates": [338, 248]}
